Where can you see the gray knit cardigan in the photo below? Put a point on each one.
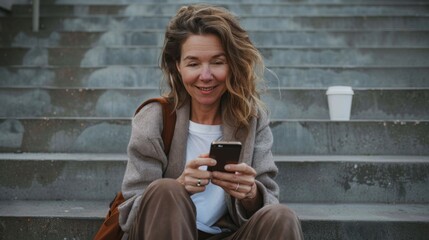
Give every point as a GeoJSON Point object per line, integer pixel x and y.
{"type": "Point", "coordinates": [147, 161]}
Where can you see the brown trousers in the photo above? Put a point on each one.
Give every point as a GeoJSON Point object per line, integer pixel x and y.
{"type": "Point", "coordinates": [167, 212]}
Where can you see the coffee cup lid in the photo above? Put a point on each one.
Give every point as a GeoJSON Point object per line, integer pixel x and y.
{"type": "Point", "coordinates": [339, 90]}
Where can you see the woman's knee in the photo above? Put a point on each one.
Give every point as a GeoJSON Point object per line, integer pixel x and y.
{"type": "Point", "coordinates": [165, 185]}
{"type": "Point", "coordinates": [276, 221]}
{"type": "Point", "coordinates": [279, 213]}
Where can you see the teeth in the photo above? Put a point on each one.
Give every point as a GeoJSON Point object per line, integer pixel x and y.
{"type": "Point", "coordinates": [206, 88]}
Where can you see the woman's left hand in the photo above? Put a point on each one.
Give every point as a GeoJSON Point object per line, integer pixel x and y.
{"type": "Point", "coordinates": [239, 181]}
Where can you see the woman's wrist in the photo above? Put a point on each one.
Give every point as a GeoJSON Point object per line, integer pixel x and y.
{"type": "Point", "coordinates": [253, 202]}
{"type": "Point", "coordinates": [253, 192]}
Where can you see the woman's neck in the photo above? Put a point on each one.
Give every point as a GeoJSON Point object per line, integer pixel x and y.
{"type": "Point", "coordinates": [208, 116]}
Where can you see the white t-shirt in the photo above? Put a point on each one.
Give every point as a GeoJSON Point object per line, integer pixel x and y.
{"type": "Point", "coordinates": [210, 204]}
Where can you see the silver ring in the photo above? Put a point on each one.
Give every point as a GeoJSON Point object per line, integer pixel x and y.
{"type": "Point", "coordinates": [199, 182]}
{"type": "Point", "coordinates": [238, 185]}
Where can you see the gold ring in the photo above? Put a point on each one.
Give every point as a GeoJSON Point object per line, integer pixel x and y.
{"type": "Point", "coordinates": [199, 182]}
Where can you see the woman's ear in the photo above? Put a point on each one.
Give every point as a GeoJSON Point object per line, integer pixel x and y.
{"type": "Point", "coordinates": [178, 66]}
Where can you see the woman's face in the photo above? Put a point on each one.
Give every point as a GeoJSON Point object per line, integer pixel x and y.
{"type": "Point", "coordinates": [204, 70]}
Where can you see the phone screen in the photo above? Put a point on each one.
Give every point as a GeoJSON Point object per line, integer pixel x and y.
{"type": "Point", "coordinates": [224, 153]}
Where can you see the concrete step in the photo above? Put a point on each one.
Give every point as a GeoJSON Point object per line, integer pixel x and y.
{"type": "Point", "coordinates": [363, 221]}
{"type": "Point", "coordinates": [279, 56]}
{"type": "Point", "coordinates": [291, 137]}
{"type": "Point", "coordinates": [51, 220]}
{"type": "Point", "coordinates": [72, 102]}
{"type": "Point", "coordinates": [350, 138]}
{"type": "Point", "coordinates": [411, 104]}
{"type": "Point", "coordinates": [353, 179]}
{"type": "Point", "coordinates": [81, 220]}
{"type": "Point", "coordinates": [349, 38]}
{"type": "Point", "coordinates": [150, 76]}
{"type": "Point", "coordinates": [340, 179]}
{"type": "Point", "coordinates": [308, 2]}
{"type": "Point", "coordinates": [241, 9]}
{"type": "Point", "coordinates": [138, 23]}
{"type": "Point", "coordinates": [61, 176]}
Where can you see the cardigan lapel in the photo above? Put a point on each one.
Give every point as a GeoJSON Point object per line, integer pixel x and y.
{"type": "Point", "coordinates": [176, 159]}
{"type": "Point", "coordinates": [177, 155]}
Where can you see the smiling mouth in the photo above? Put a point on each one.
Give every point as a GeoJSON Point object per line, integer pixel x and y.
{"type": "Point", "coordinates": [206, 88]}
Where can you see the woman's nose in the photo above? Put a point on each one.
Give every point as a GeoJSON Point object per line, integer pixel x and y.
{"type": "Point", "coordinates": [206, 74]}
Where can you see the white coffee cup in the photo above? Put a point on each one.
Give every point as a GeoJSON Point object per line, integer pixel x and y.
{"type": "Point", "coordinates": [340, 102]}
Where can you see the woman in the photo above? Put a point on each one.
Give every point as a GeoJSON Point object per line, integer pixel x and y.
{"type": "Point", "coordinates": [212, 69]}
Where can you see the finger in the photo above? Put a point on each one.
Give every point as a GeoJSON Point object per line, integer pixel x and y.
{"type": "Point", "coordinates": [190, 179]}
{"type": "Point", "coordinates": [194, 189]}
{"type": "Point", "coordinates": [242, 168]}
{"type": "Point", "coordinates": [238, 196]}
{"type": "Point", "coordinates": [200, 182]}
{"type": "Point", "coordinates": [234, 178]}
{"type": "Point", "coordinates": [195, 181]}
{"type": "Point", "coordinates": [199, 173]}
{"type": "Point", "coordinates": [242, 188]}
{"type": "Point", "coordinates": [235, 194]}
{"type": "Point", "coordinates": [198, 162]}
{"type": "Point", "coordinates": [195, 185]}
{"type": "Point", "coordinates": [232, 186]}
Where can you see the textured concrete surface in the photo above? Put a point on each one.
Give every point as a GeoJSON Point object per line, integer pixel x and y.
{"type": "Point", "coordinates": [262, 8]}
{"type": "Point", "coordinates": [348, 38]}
{"type": "Point", "coordinates": [283, 56]}
{"type": "Point", "coordinates": [80, 220]}
{"type": "Point", "coordinates": [111, 135]}
{"type": "Point", "coordinates": [277, 77]}
{"type": "Point", "coordinates": [353, 179]}
{"type": "Point", "coordinates": [335, 179]}
{"type": "Point", "coordinates": [330, 22]}
{"type": "Point", "coordinates": [44, 177]}
{"type": "Point", "coordinates": [350, 138]}
{"type": "Point", "coordinates": [120, 2]}
{"type": "Point", "coordinates": [282, 103]}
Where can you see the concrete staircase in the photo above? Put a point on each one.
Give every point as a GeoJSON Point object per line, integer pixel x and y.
{"type": "Point", "coordinates": [67, 94]}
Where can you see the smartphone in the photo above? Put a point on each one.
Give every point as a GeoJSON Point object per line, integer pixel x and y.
{"type": "Point", "coordinates": [224, 152]}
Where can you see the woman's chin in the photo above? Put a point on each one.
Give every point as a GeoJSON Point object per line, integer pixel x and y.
{"type": "Point", "coordinates": [206, 102]}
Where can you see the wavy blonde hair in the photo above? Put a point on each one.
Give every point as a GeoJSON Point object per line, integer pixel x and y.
{"type": "Point", "coordinates": [242, 99]}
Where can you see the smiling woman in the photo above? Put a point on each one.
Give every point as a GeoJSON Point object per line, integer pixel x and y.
{"type": "Point", "coordinates": [245, 65]}
{"type": "Point", "coordinates": [212, 70]}
{"type": "Point", "coordinates": [204, 71]}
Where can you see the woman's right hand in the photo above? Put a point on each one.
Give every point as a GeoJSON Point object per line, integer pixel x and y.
{"type": "Point", "coordinates": [194, 179]}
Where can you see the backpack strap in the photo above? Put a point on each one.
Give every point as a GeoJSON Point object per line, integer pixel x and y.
{"type": "Point", "coordinates": [110, 228]}
{"type": "Point", "coordinates": [168, 119]}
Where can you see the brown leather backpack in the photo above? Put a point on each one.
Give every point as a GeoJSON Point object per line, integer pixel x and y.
{"type": "Point", "coordinates": [110, 229]}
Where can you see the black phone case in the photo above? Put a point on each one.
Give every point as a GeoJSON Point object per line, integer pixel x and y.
{"type": "Point", "coordinates": [224, 153]}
